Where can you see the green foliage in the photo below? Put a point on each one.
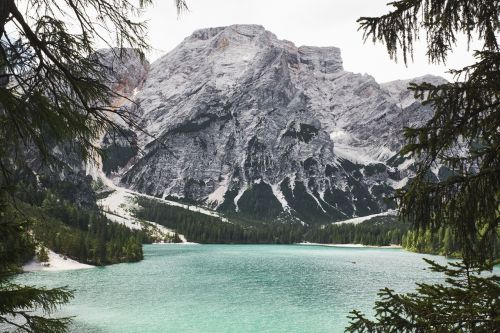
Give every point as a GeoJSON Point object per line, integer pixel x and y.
{"type": "Point", "coordinates": [17, 298]}
{"type": "Point", "coordinates": [58, 221]}
{"type": "Point", "coordinates": [458, 213]}
{"type": "Point", "coordinates": [116, 157]}
{"type": "Point", "coordinates": [18, 301]}
{"type": "Point", "coordinates": [202, 228]}
{"type": "Point", "coordinates": [335, 197]}
{"type": "Point", "coordinates": [442, 241]}
{"type": "Point", "coordinates": [82, 234]}
{"type": "Point", "coordinates": [42, 254]}
{"type": "Point", "coordinates": [119, 148]}
{"type": "Point", "coordinates": [466, 118]}
{"type": "Point", "coordinates": [16, 245]}
{"type": "Point", "coordinates": [441, 20]}
{"type": "Point", "coordinates": [53, 94]}
{"type": "Point", "coordinates": [259, 202]}
{"type": "Point", "coordinates": [378, 231]}
{"type": "Point", "coordinates": [34, 211]}
{"type": "Point", "coordinates": [306, 207]}
{"type": "Point", "coordinates": [463, 133]}
{"type": "Point", "coordinates": [59, 91]}
{"type": "Point", "coordinates": [467, 302]}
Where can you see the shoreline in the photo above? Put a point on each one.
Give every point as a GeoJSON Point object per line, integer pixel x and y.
{"type": "Point", "coordinates": [349, 245]}
{"type": "Point", "coordinates": [392, 246]}
{"type": "Point", "coordinates": [166, 243]}
{"type": "Point", "coordinates": [56, 263]}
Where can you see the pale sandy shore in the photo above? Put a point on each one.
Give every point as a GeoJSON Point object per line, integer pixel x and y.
{"type": "Point", "coordinates": [183, 243]}
{"type": "Point", "coordinates": [56, 263]}
{"type": "Point", "coordinates": [392, 246]}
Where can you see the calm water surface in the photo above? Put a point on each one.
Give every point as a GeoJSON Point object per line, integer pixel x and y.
{"type": "Point", "coordinates": [235, 288]}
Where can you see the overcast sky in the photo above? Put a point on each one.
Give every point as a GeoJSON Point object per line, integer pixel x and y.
{"type": "Point", "coordinates": [304, 22]}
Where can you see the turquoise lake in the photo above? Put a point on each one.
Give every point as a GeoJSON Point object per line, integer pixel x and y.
{"type": "Point", "coordinates": [235, 288]}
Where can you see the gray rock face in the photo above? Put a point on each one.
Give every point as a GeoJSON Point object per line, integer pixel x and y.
{"type": "Point", "coordinates": [252, 125]}
{"type": "Point", "coordinates": [126, 70]}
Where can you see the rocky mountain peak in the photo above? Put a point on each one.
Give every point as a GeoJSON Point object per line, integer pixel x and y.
{"type": "Point", "coordinates": [247, 30]}
{"type": "Point", "coordinates": [398, 88]}
{"type": "Point", "coordinates": [256, 127]}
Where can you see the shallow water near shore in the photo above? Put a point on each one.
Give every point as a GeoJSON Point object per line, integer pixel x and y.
{"type": "Point", "coordinates": [235, 288]}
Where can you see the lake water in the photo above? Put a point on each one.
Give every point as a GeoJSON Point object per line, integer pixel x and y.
{"type": "Point", "coordinates": [235, 288]}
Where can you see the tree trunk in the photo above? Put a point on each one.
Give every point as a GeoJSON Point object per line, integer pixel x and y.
{"type": "Point", "coordinates": [5, 8]}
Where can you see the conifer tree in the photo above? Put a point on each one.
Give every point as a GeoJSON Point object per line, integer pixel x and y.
{"type": "Point", "coordinates": [463, 135]}
{"type": "Point", "coordinates": [53, 91]}
{"type": "Point", "coordinates": [18, 301]}
{"type": "Point", "coordinates": [467, 302]}
{"type": "Point", "coordinates": [42, 254]}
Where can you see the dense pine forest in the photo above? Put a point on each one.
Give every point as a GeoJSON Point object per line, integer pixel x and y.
{"type": "Point", "coordinates": [88, 237]}
{"type": "Point", "coordinates": [64, 218]}
{"type": "Point", "coordinates": [379, 231]}
{"type": "Point", "coordinates": [202, 228]}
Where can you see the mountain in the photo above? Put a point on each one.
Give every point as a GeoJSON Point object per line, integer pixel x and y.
{"type": "Point", "coordinates": [258, 128]}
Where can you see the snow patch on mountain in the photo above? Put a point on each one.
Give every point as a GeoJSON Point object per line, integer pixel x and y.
{"type": "Point", "coordinates": [281, 198]}
{"type": "Point", "coordinates": [358, 220]}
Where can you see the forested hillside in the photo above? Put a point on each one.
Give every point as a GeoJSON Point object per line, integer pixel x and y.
{"type": "Point", "coordinates": [202, 228]}
{"type": "Point", "coordinates": [60, 220]}
{"type": "Point", "coordinates": [380, 230]}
